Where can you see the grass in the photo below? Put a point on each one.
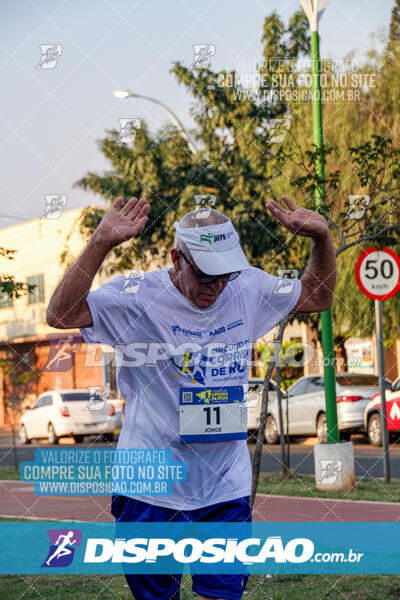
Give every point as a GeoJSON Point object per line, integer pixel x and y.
{"type": "Point", "coordinates": [260, 587]}
{"type": "Point", "coordinates": [8, 473]}
{"type": "Point", "coordinates": [304, 486]}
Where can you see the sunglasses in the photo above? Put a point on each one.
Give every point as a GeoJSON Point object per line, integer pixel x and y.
{"type": "Point", "coordinates": [204, 278]}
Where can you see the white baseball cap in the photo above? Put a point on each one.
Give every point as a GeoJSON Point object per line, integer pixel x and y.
{"type": "Point", "coordinates": [215, 248]}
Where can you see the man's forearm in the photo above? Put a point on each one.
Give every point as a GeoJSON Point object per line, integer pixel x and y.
{"type": "Point", "coordinates": [320, 274]}
{"type": "Point", "coordinates": [66, 302]}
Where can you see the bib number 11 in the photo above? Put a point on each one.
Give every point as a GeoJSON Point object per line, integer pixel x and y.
{"type": "Point", "coordinates": [217, 410]}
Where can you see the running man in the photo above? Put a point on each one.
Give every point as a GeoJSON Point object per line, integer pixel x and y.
{"type": "Point", "coordinates": [62, 549]}
{"type": "Point", "coordinates": [211, 300]}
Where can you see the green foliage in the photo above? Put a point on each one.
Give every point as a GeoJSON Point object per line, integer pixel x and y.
{"type": "Point", "coordinates": [394, 30]}
{"type": "Point", "coordinates": [8, 286]}
{"type": "Point", "coordinates": [290, 355]}
{"type": "Point", "coordinates": [239, 165]}
{"type": "Point", "coordinates": [235, 163]}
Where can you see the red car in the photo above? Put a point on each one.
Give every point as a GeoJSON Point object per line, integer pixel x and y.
{"type": "Point", "coordinates": [372, 416]}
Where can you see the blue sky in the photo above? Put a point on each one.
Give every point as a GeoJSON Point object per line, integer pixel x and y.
{"type": "Point", "coordinates": [50, 119]}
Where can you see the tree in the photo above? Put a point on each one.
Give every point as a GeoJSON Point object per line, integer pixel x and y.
{"type": "Point", "coordinates": [236, 162]}
{"type": "Point", "coordinates": [10, 289]}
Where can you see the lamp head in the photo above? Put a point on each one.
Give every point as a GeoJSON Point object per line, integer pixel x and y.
{"type": "Point", "coordinates": [122, 93]}
{"type": "Point", "coordinates": [313, 11]}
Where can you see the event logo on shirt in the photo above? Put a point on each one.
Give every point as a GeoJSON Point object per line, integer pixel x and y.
{"type": "Point", "coordinates": [206, 396]}
{"type": "Point", "coordinates": [215, 362]}
{"type": "Point", "coordinates": [190, 365]}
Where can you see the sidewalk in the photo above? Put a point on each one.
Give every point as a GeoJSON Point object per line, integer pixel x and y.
{"type": "Point", "coordinates": [17, 499]}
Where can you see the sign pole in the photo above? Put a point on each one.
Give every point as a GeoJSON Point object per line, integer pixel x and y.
{"type": "Point", "coordinates": [382, 389]}
{"type": "Point", "coordinates": [378, 277]}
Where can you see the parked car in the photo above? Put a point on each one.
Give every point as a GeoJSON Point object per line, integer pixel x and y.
{"type": "Point", "coordinates": [254, 399]}
{"type": "Point", "coordinates": [306, 406]}
{"type": "Point", "coordinates": [372, 416]}
{"type": "Point", "coordinates": [62, 413]}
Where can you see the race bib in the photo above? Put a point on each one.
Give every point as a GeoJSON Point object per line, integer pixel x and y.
{"type": "Point", "coordinates": [212, 414]}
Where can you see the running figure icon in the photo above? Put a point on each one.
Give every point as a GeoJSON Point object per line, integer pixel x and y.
{"type": "Point", "coordinates": [184, 363]}
{"type": "Point", "coordinates": [62, 549]}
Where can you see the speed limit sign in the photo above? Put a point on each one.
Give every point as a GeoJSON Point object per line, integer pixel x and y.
{"type": "Point", "coordinates": [378, 273]}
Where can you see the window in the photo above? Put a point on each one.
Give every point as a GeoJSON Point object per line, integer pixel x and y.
{"type": "Point", "coordinates": [299, 387]}
{"type": "Point", "coordinates": [357, 379]}
{"type": "Point", "coordinates": [75, 396]}
{"type": "Point", "coordinates": [315, 384]}
{"type": "Point", "coordinates": [37, 294]}
{"type": "Point", "coordinates": [43, 401]}
{"type": "Point", "coordinates": [258, 386]}
{"type": "Point", "coordinates": [5, 300]}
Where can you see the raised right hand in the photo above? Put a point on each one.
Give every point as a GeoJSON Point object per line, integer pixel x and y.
{"type": "Point", "coordinates": [118, 226]}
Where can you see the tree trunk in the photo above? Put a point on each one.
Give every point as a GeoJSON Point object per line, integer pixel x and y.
{"type": "Point", "coordinates": [340, 354]}
{"type": "Point", "coordinates": [264, 411]}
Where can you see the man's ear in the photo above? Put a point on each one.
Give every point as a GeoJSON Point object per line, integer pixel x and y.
{"type": "Point", "coordinates": [176, 259]}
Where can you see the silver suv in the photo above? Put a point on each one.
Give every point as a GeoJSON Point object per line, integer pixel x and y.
{"type": "Point", "coordinates": [306, 406]}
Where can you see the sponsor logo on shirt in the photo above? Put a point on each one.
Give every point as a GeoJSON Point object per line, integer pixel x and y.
{"type": "Point", "coordinates": [177, 329]}
{"type": "Point", "coordinates": [229, 327]}
{"type": "Point", "coordinates": [217, 331]}
{"type": "Point", "coordinates": [234, 324]}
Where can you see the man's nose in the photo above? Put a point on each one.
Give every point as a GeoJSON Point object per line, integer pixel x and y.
{"type": "Point", "coordinates": [217, 285]}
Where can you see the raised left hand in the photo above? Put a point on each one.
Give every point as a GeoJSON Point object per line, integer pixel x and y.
{"type": "Point", "coordinates": [298, 220]}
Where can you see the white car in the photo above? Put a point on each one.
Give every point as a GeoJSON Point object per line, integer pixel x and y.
{"type": "Point", "coordinates": [62, 413]}
{"type": "Point", "coordinates": [254, 401]}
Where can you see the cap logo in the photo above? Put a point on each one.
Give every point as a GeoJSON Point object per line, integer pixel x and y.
{"type": "Point", "coordinates": [210, 238]}
{"type": "Point", "coordinates": [206, 237]}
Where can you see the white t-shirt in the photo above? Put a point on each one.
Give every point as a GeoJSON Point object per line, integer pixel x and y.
{"type": "Point", "coordinates": [157, 312]}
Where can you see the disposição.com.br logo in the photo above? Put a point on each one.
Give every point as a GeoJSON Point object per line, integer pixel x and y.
{"type": "Point", "coordinates": [62, 547]}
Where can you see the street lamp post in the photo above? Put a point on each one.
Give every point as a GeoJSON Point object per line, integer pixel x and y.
{"type": "Point", "coordinates": [179, 126]}
{"type": "Point", "coordinates": [313, 12]}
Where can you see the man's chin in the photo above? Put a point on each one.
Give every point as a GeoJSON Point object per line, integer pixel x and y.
{"type": "Point", "coordinates": [204, 300]}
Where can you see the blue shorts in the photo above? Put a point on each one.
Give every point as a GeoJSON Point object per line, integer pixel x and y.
{"type": "Point", "coordinates": [167, 587]}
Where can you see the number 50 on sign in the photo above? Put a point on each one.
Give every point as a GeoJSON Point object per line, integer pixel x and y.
{"type": "Point", "coordinates": [378, 273]}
